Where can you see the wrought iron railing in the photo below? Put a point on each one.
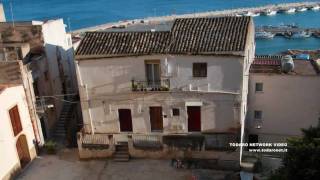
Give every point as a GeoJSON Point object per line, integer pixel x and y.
{"type": "Point", "coordinates": [161, 85]}
{"type": "Point", "coordinates": [147, 141]}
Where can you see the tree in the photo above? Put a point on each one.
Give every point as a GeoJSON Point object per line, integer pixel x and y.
{"type": "Point", "coordinates": [302, 160]}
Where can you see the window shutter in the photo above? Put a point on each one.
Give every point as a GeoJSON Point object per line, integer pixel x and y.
{"type": "Point", "coordinates": [15, 120]}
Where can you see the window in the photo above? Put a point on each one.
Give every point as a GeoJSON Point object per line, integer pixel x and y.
{"type": "Point", "coordinates": [175, 112]}
{"type": "Point", "coordinates": [153, 72]}
{"type": "Point", "coordinates": [15, 120]}
{"type": "Point", "coordinates": [199, 69]}
{"type": "Point", "coordinates": [257, 114]}
{"type": "Point", "coordinates": [259, 87]}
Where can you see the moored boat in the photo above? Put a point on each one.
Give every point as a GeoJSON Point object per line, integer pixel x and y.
{"type": "Point", "coordinates": [270, 12]}
{"type": "Point", "coordinates": [302, 34]}
{"type": "Point", "coordinates": [264, 35]}
{"type": "Point", "coordinates": [315, 8]}
{"type": "Point", "coordinates": [291, 10]}
{"type": "Point", "coordinates": [252, 14]}
{"type": "Point", "coordinates": [302, 9]}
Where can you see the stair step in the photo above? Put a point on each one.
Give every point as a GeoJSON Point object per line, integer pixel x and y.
{"type": "Point", "coordinates": [121, 160]}
{"type": "Point", "coordinates": [60, 131]}
{"type": "Point", "coordinates": [60, 128]}
{"type": "Point", "coordinates": [65, 116]}
{"type": "Point", "coordinates": [122, 149]}
{"type": "Point", "coordinates": [122, 153]}
{"type": "Point", "coordinates": [59, 135]}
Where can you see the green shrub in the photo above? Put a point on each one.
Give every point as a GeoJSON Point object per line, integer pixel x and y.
{"type": "Point", "coordinates": [51, 147]}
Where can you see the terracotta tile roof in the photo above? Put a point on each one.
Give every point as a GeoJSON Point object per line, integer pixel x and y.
{"type": "Point", "coordinates": [220, 35]}
{"type": "Point", "coordinates": [273, 66]}
{"type": "Point", "coordinates": [203, 35]}
{"type": "Point", "coordinates": [123, 43]}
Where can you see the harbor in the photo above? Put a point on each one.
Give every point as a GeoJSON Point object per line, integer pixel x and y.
{"type": "Point", "coordinates": [278, 26]}
{"type": "Point", "coordinates": [268, 10]}
{"type": "Point", "coordinates": [287, 31]}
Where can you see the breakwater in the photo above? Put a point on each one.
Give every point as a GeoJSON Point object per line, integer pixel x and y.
{"type": "Point", "coordinates": [230, 12]}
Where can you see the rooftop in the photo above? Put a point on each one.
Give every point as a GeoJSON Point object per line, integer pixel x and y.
{"type": "Point", "coordinates": [21, 32]}
{"type": "Point", "coordinates": [197, 36]}
{"type": "Point", "coordinates": [5, 86]}
{"type": "Point", "coordinates": [272, 65]}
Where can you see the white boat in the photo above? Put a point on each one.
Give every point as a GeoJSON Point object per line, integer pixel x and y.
{"type": "Point", "coordinates": [239, 15]}
{"type": "Point", "coordinates": [315, 8]}
{"type": "Point", "coordinates": [264, 35]}
{"type": "Point", "coordinates": [251, 14]}
{"type": "Point", "coordinates": [271, 12]}
{"type": "Point", "coordinates": [248, 13]}
{"type": "Point", "coordinates": [302, 9]}
{"type": "Point", "coordinates": [256, 14]}
{"type": "Point", "coordinates": [302, 34]}
{"type": "Point", "coordinates": [291, 10]}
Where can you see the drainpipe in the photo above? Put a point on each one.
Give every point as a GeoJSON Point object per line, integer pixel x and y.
{"type": "Point", "coordinates": [89, 110]}
{"type": "Point", "coordinates": [87, 96]}
{"type": "Point", "coordinates": [28, 88]}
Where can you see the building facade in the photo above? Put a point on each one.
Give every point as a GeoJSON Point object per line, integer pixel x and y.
{"type": "Point", "coordinates": [165, 93]}
{"type": "Point", "coordinates": [17, 135]}
{"type": "Point", "coordinates": [280, 104]}
{"type": "Point", "coordinates": [47, 54]}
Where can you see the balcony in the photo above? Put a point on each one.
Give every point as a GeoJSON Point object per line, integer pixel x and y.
{"type": "Point", "coordinates": [161, 85]}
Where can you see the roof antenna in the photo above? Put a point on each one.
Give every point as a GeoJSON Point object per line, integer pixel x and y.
{"type": "Point", "coordinates": [12, 18]}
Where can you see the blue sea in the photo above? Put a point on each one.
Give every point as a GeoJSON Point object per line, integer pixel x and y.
{"type": "Point", "coordinates": [84, 13]}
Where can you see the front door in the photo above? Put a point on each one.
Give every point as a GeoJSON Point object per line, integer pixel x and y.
{"type": "Point", "coordinates": [125, 120]}
{"type": "Point", "coordinates": [194, 118]}
{"type": "Point", "coordinates": [156, 118]}
{"type": "Point", "coordinates": [23, 150]}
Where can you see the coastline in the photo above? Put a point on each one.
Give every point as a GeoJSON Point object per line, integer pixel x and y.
{"type": "Point", "coordinates": [215, 13]}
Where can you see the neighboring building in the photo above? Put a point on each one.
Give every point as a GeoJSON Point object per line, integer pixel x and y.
{"type": "Point", "coordinates": [279, 103]}
{"type": "Point", "coordinates": [17, 135]}
{"type": "Point", "coordinates": [46, 52]}
{"type": "Point", "coordinates": [166, 92]}
{"type": "Point", "coordinates": [2, 15]}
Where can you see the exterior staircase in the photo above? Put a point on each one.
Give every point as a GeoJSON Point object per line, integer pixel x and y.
{"type": "Point", "coordinates": [65, 117]}
{"type": "Point", "coordinates": [122, 152]}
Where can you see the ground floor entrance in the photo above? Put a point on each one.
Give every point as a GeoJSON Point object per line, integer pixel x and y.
{"type": "Point", "coordinates": [156, 120]}
{"type": "Point", "coordinates": [125, 119]}
{"type": "Point", "coordinates": [194, 118]}
{"type": "Point", "coordinates": [23, 150]}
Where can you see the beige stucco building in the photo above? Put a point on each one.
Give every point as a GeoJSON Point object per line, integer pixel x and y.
{"type": "Point", "coordinates": [166, 93]}
{"type": "Point", "coordinates": [17, 135]}
{"type": "Point", "coordinates": [280, 104]}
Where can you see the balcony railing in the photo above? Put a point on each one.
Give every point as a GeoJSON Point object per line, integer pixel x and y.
{"type": "Point", "coordinates": [161, 85]}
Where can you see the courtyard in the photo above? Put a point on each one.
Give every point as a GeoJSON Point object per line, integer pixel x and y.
{"type": "Point", "coordinates": [66, 165]}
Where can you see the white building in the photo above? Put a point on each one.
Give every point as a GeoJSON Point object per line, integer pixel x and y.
{"type": "Point", "coordinates": [279, 103]}
{"type": "Point", "coordinates": [184, 88]}
{"type": "Point", "coordinates": [17, 135]}
{"type": "Point", "coordinates": [46, 50]}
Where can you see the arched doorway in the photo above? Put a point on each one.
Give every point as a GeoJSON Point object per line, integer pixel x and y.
{"type": "Point", "coordinates": [23, 150]}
